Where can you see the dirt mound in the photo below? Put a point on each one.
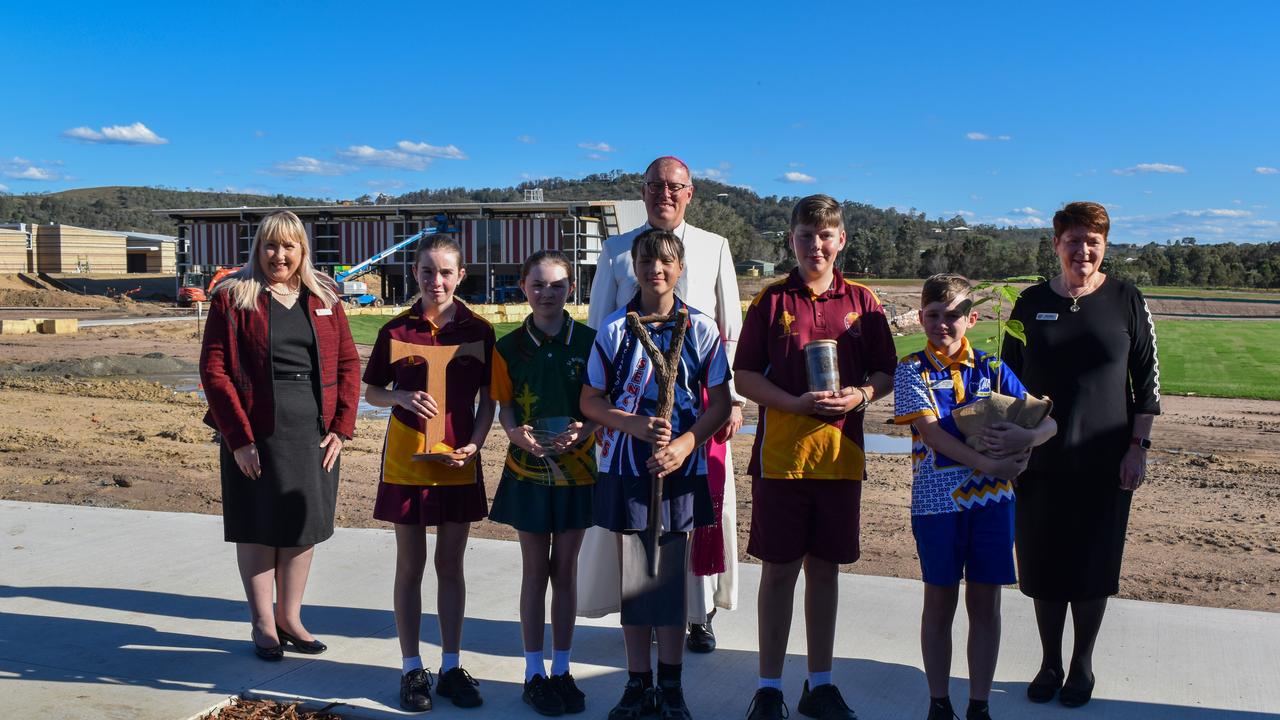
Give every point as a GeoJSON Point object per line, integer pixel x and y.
{"type": "Point", "coordinates": [141, 390]}
{"type": "Point", "coordinates": [155, 363]}
{"type": "Point", "coordinates": [30, 297]}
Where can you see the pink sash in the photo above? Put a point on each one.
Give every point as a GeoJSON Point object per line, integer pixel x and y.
{"type": "Point", "coordinates": [707, 554]}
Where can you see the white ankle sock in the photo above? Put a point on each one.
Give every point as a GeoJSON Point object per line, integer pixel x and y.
{"type": "Point", "coordinates": [775, 683]}
{"type": "Point", "coordinates": [410, 663]}
{"type": "Point", "coordinates": [560, 662]}
{"type": "Point", "coordinates": [533, 665]}
{"type": "Point", "coordinates": [448, 661]}
{"type": "Point", "coordinates": [817, 679]}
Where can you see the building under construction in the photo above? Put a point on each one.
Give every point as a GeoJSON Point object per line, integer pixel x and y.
{"type": "Point", "coordinates": [495, 239]}
{"type": "Point", "coordinates": [56, 248]}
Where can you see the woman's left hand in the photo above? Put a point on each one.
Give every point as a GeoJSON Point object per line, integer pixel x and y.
{"type": "Point", "coordinates": [1133, 468]}
{"type": "Point", "coordinates": [461, 456]}
{"type": "Point", "coordinates": [332, 443]}
{"type": "Point", "coordinates": [670, 457]}
{"type": "Point", "coordinates": [1005, 438]}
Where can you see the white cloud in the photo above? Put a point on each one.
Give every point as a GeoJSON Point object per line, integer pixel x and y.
{"type": "Point", "coordinates": [1020, 221]}
{"type": "Point", "coordinates": [368, 155]}
{"type": "Point", "coordinates": [1264, 170]}
{"type": "Point", "coordinates": [711, 174]}
{"type": "Point", "coordinates": [800, 165]}
{"type": "Point", "coordinates": [961, 213]}
{"type": "Point", "coordinates": [303, 165]}
{"type": "Point", "coordinates": [797, 177]}
{"type": "Point", "coordinates": [4, 188]}
{"type": "Point", "coordinates": [23, 169]}
{"type": "Point", "coordinates": [1215, 213]}
{"type": "Point", "coordinates": [135, 134]}
{"type": "Point", "coordinates": [594, 156]}
{"type": "Point", "coordinates": [597, 146]}
{"type": "Point", "coordinates": [982, 137]}
{"type": "Point", "coordinates": [448, 152]}
{"type": "Point", "coordinates": [1151, 168]}
{"type": "Point", "coordinates": [526, 139]}
{"type": "Point", "coordinates": [1024, 211]}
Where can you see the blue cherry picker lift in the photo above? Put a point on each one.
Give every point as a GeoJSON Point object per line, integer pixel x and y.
{"type": "Point", "coordinates": [357, 293]}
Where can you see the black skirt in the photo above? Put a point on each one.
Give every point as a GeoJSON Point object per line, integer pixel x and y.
{"type": "Point", "coordinates": [292, 503]}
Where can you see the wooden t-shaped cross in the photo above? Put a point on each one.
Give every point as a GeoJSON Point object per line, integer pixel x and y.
{"type": "Point", "coordinates": [665, 367]}
{"type": "Point", "coordinates": [437, 358]}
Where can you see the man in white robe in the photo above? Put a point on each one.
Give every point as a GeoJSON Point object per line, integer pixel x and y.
{"type": "Point", "coordinates": [709, 284]}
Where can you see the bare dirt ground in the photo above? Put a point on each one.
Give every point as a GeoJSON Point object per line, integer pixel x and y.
{"type": "Point", "coordinates": [1205, 529]}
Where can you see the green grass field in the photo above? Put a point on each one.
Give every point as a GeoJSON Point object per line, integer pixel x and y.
{"type": "Point", "coordinates": [1217, 358]}
{"type": "Point", "coordinates": [1202, 292]}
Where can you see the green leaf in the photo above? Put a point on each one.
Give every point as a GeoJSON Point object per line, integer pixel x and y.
{"type": "Point", "coordinates": [1009, 293]}
{"type": "Point", "coordinates": [1025, 278]}
{"type": "Point", "coordinates": [978, 302]}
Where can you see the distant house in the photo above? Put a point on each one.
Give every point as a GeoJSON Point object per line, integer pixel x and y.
{"type": "Point", "coordinates": [763, 268]}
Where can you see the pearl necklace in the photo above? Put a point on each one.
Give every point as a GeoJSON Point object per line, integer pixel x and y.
{"type": "Point", "coordinates": [282, 293]}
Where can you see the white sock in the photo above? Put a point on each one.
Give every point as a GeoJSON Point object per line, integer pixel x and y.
{"type": "Point", "coordinates": [817, 679]}
{"type": "Point", "coordinates": [775, 683]}
{"type": "Point", "coordinates": [533, 665]}
{"type": "Point", "coordinates": [449, 661]}
{"type": "Point", "coordinates": [560, 662]}
{"type": "Point", "coordinates": [410, 663]}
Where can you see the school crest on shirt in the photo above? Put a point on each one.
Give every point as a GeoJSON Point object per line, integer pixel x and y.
{"type": "Point", "coordinates": [577, 366]}
{"type": "Point", "coordinates": [784, 321]}
{"type": "Point", "coordinates": [850, 318]}
{"type": "Point", "coordinates": [984, 388]}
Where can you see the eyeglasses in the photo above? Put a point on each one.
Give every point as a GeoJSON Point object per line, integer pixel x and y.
{"type": "Point", "coordinates": [656, 186]}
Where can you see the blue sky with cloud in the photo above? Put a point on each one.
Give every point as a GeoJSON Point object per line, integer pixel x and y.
{"type": "Point", "coordinates": [998, 112]}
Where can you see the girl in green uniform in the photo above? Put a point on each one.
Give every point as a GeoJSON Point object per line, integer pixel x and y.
{"type": "Point", "coordinates": [546, 487]}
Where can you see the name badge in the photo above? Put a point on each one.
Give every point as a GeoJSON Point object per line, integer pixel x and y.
{"type": "Point", "coordinates": [944, 384]}
{"type": "Point", "coordinates": [327, 311]}
{"type": "Point", "coordinates": [1046, 316]}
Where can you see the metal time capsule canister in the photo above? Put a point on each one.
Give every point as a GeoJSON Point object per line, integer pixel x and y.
{"type": "Point", "coordinates": [820, 365]}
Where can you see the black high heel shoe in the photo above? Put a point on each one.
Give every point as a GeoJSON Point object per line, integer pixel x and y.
{"type": "Point", "coordinates": [275, 653]}
{"type": "Point", "coordinates": [312, 647]}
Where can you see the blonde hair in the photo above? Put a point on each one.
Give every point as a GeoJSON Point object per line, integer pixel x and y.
{"type": "Point", "coordinates": [250, 281]}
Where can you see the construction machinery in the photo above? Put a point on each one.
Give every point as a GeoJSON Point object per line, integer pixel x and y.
{"type": "Point", "coordinates": [192, 289]}
{"type": "Point", "coordinates": [356, 293]}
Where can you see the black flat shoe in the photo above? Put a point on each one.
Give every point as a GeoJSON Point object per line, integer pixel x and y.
{"type": "Point", "coordinates": [1074, 695]}
{"type": "Point", "coordinates": [306, 647]}
{"type": "Point", "coordinates": [1044, 686]}
{"type": "Point", "coordinates": [274, 653]}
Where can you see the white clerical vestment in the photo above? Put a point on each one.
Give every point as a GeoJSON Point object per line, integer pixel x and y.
{"type": "Point", "coordinates": [709, 284]}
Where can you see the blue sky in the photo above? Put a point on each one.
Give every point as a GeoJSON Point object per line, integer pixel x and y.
{"type": "Point", "coordinates": [1165, 112]}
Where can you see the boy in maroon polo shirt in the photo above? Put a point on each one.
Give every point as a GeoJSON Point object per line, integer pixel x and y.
{"type": "Point", "coordinates": [807, 463]}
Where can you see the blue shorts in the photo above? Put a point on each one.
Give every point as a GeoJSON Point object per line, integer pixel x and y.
{"type": "Point", "coordinates": [974, 544]}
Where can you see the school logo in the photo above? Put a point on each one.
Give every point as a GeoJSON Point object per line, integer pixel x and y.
{"type": "Point", "coordinates": [984, 388]}
{"type": "Point", "coordinates": [526, 400]}
{"type": "Point", "coordinates": [850, 319]}
{"type": "Point", "coordinates": [577, 366]}
{"type": "Point", "coordinates": [785, 321]}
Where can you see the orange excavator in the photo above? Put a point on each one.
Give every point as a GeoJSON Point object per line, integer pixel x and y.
{"type": "Point", "coordinates": [194, 290]}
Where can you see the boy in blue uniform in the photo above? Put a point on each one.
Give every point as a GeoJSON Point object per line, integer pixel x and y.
{"type": "Point", "coordinates": [961, 499]}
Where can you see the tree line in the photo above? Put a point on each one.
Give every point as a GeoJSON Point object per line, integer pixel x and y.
{"type": "Point", "coordinates": [881, 242]}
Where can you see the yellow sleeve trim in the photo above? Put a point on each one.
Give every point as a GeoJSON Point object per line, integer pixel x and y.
{"type": "Point", "coordinates": [765, 290]}
{"type": "Point", "coordinates": [500, 386]}
{"type": "Point", "coordinates": [912, 417]}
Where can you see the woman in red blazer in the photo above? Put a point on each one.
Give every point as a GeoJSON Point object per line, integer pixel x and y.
{"type": "Point", "coordinates": [282, 377]}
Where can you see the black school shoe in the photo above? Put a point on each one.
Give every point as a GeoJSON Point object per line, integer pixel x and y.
{"type": "Point", "coordinates": [941, 710]}
{"type": "Point", "coordinates": [458, 685]}
{"type": "Point", "coordinates": [767, 704]}
{"type": "Point", "coordinates": [701, 639]}
{"type": "Point", "coordinates": [415, 690]}
{"type": "Point", "coordinates": [670, 697]}
{"type": "Point", "coordinates": [575, 701]}
{"type": "Point", "coordinates": [824, 703]}
{"type": "Point", "coordinates": [636, 700]}
{"type": "Point", "coordinates": [539, 694]}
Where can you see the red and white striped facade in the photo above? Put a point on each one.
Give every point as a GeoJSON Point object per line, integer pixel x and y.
{"type": "Point", "coordinates": [220, 243]}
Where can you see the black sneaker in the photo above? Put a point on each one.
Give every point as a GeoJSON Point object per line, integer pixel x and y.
{"type": "Point", "coordinates": [768, 705]}
{"type": "Point", "coordinates": [540, 694]}
{"type": "Point", "coordinates": [458, 685]}
{"type": "Point", "coordinates": [671, 705]}
{"type": "Point", "coordinates": [701, 639]}
{"type": "Point", "coordinates": [824, 703]}
{"type": "Point", "coordinates": [415, 690]}
{"type": "Point", "coordinates": [636, 700]}
{"type": "Point", "coordinates": [575, 701]}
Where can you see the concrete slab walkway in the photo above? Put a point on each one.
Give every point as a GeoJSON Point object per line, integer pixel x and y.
{"type": "Point", "coordinates": [110, 613]}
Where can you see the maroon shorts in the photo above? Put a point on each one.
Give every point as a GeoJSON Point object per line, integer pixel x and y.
{"type": "Point", "coordinates": [794, 518]}
{"type": "Point", "coordinates": [430, 504]}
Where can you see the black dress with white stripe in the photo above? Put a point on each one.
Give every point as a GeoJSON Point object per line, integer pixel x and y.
{"type": "Point", "coordinates": [1099, 366]}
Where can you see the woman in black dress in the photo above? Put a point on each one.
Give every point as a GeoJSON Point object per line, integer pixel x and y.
{"type": "Point", "coordinates": [1091, 347]}
{"type": "Point", "coordinates": [281, 374]}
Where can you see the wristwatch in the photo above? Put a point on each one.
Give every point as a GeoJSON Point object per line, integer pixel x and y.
{"type": "Point", "coordinates": [1144, 443]}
